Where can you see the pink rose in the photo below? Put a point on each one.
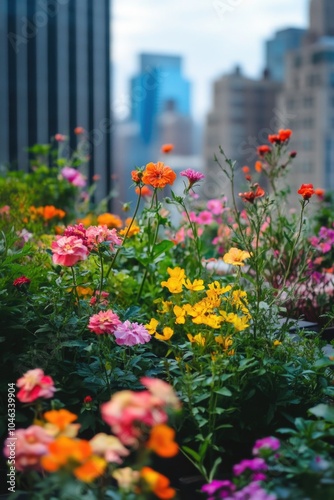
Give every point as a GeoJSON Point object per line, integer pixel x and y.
{"type": "Point", "coordinates": [33, 385]}
{"type": "Point", "coordinates": [28, 447]}
{"type": "Point", "coordinates": [68, 250]}
{"type": "Point", "coordinates": [131, 334]}
{"type": "Point", "coordinates": [99, 234]}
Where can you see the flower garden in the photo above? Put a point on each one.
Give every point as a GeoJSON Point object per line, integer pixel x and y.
{"type": "Point", "coordinates": [145, 358]}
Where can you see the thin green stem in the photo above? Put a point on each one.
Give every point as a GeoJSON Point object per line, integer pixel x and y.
{"type": "Point", "coordinates": [126, 234]}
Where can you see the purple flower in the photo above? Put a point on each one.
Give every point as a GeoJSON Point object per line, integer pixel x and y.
{"type": "Point", "coordinates": [252, 491]}
{"type": "Point", "coordinates": [131, 334]}
{"type": "Point", "coordinates": [267, 443]}
{"type": "Point", "coordinates": [225, 488]}
{"type": "Point", "coordinates": [254, 464]}
{"type": "Point", "coordinates": [192, 175]}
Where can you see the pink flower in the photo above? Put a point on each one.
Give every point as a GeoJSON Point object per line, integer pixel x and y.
{"type": "Point", "coordinates": [78, 230]}
{"type": "Point", "coordinates": [73, 176]}
{"type": "Point", "coordinates": [23, 280]}
{"type": "Point", "coordinates": [33, 385]}
{"type": "Point", "coordinates": [28, 447]}
{"type": "Point", "coordinates": [215, 206]}
{"type": "Point", "coordinates": [68, 250]}
{"type": "Point", "coordinates": [60, 137]}
{"type": "Point", "coordinates": [79, 130]}
{"type": "Point", "coordinates": [253, 464]}
{"type": "Point", "coordinates": [205, 218]}
{"type": "Point", "coordinates": [104, 322]}
{"type": "Point", "coordinates": [162, 390]}
{"type": "Point", "coordinates": [193, 176]}
{"type": "Point", "coordinates": [131, 334]}
{"type": "Point", "coordinates": [128, 412]}
{"type": "Point", "coordinates": [25, 235]}
{"type": "Point", "coordinates": [5, 210]}
{"type": "Point", "coordinates": [99, 234]}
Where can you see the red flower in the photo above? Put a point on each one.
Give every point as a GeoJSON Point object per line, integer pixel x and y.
{"type": "Point", "coordinates": [293, 154]}
{"type": "Point", "coordinates": [282, 136]}
{"type": "Point", "coordinates": [79, 130]}
{"type": "Point", "coordinates": [245, 169]}
{"type": "Point", "coordinates": [250, 196]}
{"type": "Point", "coordinates": [22, 280]}
{"type": "Point", "coordinates": [306, 190]}
{"type": "Point", "coordinates": [263, 150]}
{"type": "Point", "coordinates": [88, 399]}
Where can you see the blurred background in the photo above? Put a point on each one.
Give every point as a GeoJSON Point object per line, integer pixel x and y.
{"type": "Point", "coordinates": [120, 78]}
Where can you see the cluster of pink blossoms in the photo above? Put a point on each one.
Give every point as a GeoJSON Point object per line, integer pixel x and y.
{"type": "Point", "coordinates": [77, 242]}
{"type": "Point", "coordinates": [73, 176]}
{"type": "Point", "coordinates": [128, 412]}
{"type": "Point", "coordinates": [127, 333]}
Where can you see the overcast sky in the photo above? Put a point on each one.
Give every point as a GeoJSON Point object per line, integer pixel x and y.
{"type": "Point", "coordinates": [212, 36]}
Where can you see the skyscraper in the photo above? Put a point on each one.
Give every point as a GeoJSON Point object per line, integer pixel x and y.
{"type": "Point", "coordinates": [159, 83]}
{"type": "Point", "coordinates": [308, 99]}
{"type": "Point", "coordinates": [277, 48]}
{"type": "Point", "coordinates": [55, 75]}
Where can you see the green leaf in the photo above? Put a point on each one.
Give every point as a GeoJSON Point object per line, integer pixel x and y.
{"type": "Point", "coordinates": [192, 453]}
{"type": "Point", "coordinates": [162, 247]}
{"type": "Point", "coordinates": [323, 411]}
{"type": "Point", "coordinates": [224, 392]}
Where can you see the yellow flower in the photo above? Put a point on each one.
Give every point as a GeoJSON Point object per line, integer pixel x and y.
{"type": "Point", "coordinates": [166, 304]}
{"type": "Point", "coordinates": [180, 314]}
{"type": "Point", "coordinates": [135, 229]}
{"type": "Point", "coordinates": [177, 273]}
{"type": "Point", "coordinates": [151, 327]}
{"type": "Point", "coordinates": [215, 289]}
{"type": "Point", "coordinates": [225, 342]}
{"type": "Point", "coordinates": [197, 339]}
{"type": "Point", "coordinates": [173, 285]}
{"type": "Point", "coordinates": [239, 322]}
{"type": "Point", "coordinates": [277, 342]}
{"type": "Point", "coordinates": [167, 333]}
{"type": "Point", "coordinates": [196, 286]}
{"type": "Point", "coordinates": [236, 257]}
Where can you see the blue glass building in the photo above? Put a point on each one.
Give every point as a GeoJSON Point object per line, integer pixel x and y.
{"type": "Point", "coordinates": [157, 87]}
{"type": "Point", "coordinates": [276, 49]}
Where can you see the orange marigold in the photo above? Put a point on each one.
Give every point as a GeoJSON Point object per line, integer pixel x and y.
{"type": "Point", "coordinates": [64, 450]}
{"type": "Point", "coordinates": [158, 175]}
{"type": "Point", "coordinates": [161, 441]}
{"type": "Point", "coordinates": [157, 483]}
{"type": "Point", "coordinates": [110, 220]}
{"type": "Point", "coordinates": [91, 469]}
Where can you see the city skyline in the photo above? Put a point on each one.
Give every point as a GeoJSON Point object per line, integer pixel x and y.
{"type": "Point", "coordinates": [196, 34]}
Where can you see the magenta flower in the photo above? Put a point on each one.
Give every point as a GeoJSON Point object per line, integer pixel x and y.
{"type": "Point", "coordinates": [73, 176]}
{"type": "Point", "coordinates": [193, 176]}
{"type": "Point", "coordinates": [254, 464]}
{"type": "Point", "coordinates": [104, 322]}
{"type": "Point", "coordinates": [131, 334]}
{"type": "Point", "coordinates": [224, 488]}
{"type": "Point", "coordinates": [267, 443]}
{"type": "Point", "coordinates": [68, 250]}
{"type": "Point", "coordinates": [205, 218]}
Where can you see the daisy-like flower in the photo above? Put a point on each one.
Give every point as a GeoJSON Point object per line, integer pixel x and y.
{"type": "Point", "coordinates": [68, 250]}
{"type": "Point", "coordinates": [131, 334]}
{"type": "Point", "coordinates": [158, 175]}
{"type": "Point", "coordinates": [236, 257]}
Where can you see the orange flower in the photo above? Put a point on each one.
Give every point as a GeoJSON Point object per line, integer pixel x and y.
{"type": "Point", "coordinates": [236, 257]}
{"type": "Point", "coordinates": [306, 190]}
{"type": "Point", "coordinates": [63, 450]}
{"type": "Point", "coordinates": [250, 196]}
{"type": "Point", "coordinates": [135, 229]}
{"type": "Point", "coordinates": [60, 422]}
{"type": "Point", "coordinates": [158, 175]}
{"type": "Point", "coordinates": [162, 442]}
{"type": "Point", "coordinates": [86, 221]}
{"type": "Point", "coordinates": [245, 169]}
{"type": "Point", "coordinates": [282, 136]}
{"type": "Point", "coordinates": [157, 483]}
{"type": "Point", "coordinates": [145, 191]}
{"type": "Point", "coordinates": [136, 176]}
{"type": "Point", "coordinates": [319, 192]}
{"type": "Point", "coordinates": [258, 166]}
{"type": "Point", "coordinates": [167, 148]}
{"type": "Point", "coordinates": [91, 469]}
{"type": "Point", "coordinates": [109, 220]}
